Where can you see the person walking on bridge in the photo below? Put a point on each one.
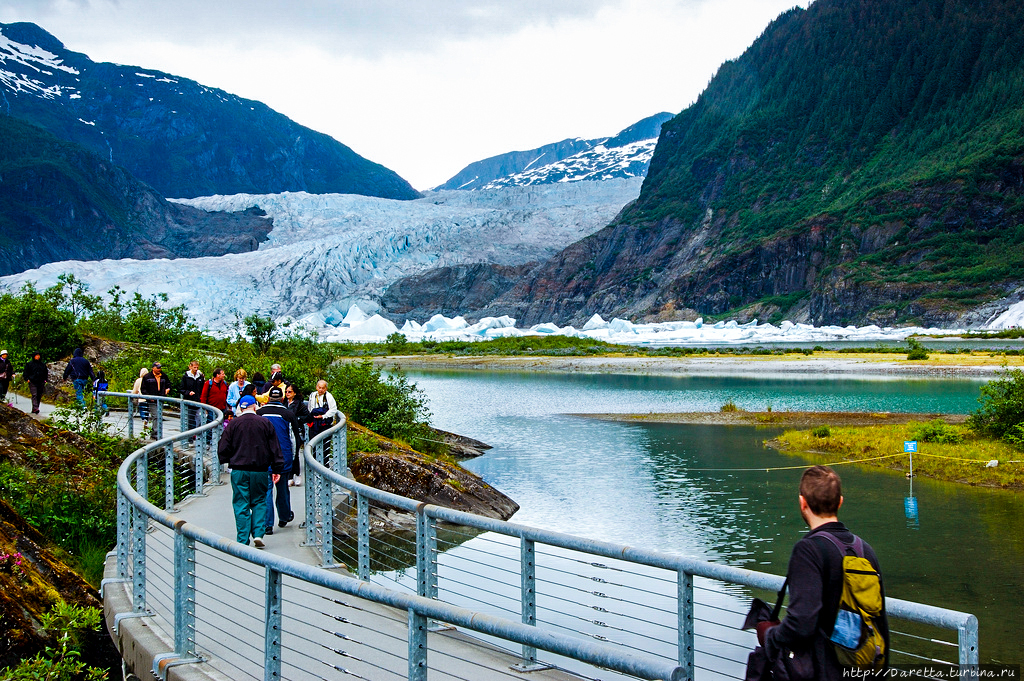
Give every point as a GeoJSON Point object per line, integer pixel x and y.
{"type": "Point", "coordinates": [6, 375]}
{"type": "Point", "coordinates": [249, 446]}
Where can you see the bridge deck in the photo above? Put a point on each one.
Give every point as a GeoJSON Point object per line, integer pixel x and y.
{"type": "Point", "coordinates": [343, 636]}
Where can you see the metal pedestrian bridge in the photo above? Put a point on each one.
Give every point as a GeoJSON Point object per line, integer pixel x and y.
{"type": "Point", "coordinates": [337, 594]}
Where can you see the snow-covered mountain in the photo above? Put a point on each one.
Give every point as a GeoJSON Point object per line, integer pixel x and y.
{"type": "Point", "coordinates": [627, 154]}
{"type": "Point", "coordinates": [328, 251]}
{"type": "Point", "coordinates": [176, 135]}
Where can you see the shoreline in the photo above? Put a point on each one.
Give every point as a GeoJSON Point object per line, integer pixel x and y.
{"type": "Point", "coordinates": [975, 366]}
{"type": "Point", "coordinates": [779, 419]}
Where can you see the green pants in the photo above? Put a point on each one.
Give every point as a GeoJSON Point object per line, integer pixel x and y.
{"type": "Point", "coordinates": [249, 501]}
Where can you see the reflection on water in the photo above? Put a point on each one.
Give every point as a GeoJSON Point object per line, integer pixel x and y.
{"type": "Point", "coordinates": [704, 490]}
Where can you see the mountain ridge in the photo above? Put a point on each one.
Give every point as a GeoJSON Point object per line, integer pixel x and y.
{"type": "Point", "coordinates": [182, 138]}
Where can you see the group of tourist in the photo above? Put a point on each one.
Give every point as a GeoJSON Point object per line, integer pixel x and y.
{"type": "Point", "coordinates": [267, 423]}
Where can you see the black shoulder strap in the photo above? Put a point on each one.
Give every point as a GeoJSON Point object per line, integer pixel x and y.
{"type": "Point", "coordinates": [857, 546]}
{"type": "Point", "coordinates": [778, 601]}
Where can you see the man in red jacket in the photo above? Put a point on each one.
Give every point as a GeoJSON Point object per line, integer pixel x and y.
{"type": "Point", "coordinates": [215, 391]}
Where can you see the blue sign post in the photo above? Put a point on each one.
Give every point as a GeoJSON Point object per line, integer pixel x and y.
{"type": "Point", "coordinates": [910, 503]}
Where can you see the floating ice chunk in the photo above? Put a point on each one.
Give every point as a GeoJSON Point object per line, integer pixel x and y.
{"type": "Point", "coordinates": [621, 326]}
{"type": "Point", "coordinates": [374, 327]}
{"type": "Point", "coordinates": [698, 322]}
{"type": "Point", "coordinates": [544, 328]}
{"type": "Point", "coordinates": [595, 322]}
{"type": "Point", "coordinates": [411, 326]}
{"type": "Point", "coordinates": [354, 316]}
{"type": "Point", "coordinates": [437, 323]}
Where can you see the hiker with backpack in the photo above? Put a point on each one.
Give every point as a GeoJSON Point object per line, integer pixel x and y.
{"type": "Point", "coordinates": [836, 597]}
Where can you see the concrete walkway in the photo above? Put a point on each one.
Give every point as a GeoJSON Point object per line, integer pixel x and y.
{"type": "Point", "coordinates": [326, 635]}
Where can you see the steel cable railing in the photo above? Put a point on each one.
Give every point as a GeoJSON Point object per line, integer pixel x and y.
{"type": "Point", "coordinates": [201, 601]}
{"type": "Point", "coordinates": [561, 582]}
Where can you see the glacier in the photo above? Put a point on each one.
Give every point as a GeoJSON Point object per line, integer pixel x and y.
{"type": "Point", "coordinates": [327, 252]}
{"type": "Point", "coordinates": [329, 258]}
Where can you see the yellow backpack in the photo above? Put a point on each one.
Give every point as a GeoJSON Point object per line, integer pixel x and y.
{"type": "Point", "coordinates": [855, 636]}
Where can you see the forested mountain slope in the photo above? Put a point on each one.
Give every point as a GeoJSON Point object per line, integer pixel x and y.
{"type": "Point", "coordinates": [861, 161]}
{"type": "Point", "coordinates": [58, 201]}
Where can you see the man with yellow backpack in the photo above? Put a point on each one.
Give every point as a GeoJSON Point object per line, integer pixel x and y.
{"type": "Point", "coordinates": [836, 596]}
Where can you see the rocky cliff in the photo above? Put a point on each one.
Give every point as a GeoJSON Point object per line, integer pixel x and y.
{"type": "Point", "coordinates": [59, 201]}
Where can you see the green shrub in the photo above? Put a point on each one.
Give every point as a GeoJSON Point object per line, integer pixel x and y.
{"type": "Point", "coordinates": [917, 351]}
{"type": "Point", "coordinates": [1002, 405]}
{"type": "Point", "coordinates": [822, 431]}
{"type": "Point", "coordinates": [66, 622]}
{"type": "Point", "coordinates": [729, 406]}
{"type": "Point", "coordinates": [388, 405]}
{"type": "Point", "coordinates": [937, 431]}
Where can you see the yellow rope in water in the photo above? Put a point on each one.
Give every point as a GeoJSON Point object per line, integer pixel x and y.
{"type": "Point", "coordinates": [791, 468]}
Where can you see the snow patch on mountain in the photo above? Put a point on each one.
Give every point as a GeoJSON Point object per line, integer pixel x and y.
{"type": "Point", "coordinates": [328, 251]}
{"type": "Point", "coordinates": [599, 163]}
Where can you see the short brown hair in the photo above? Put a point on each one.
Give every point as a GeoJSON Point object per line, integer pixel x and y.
{"type": "Point", "coordinates": [821, 487]}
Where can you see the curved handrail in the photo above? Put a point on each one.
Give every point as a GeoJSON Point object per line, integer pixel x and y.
{"type": "Point", "coordinates": [965, 624]}
{"type": "Point", "coordinates": [132, 502]}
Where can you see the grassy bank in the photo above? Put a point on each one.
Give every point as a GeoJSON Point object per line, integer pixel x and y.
{"type": "Point", "coordinates": [962, 458]}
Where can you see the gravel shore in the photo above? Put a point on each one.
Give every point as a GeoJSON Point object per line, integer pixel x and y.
{"type": "Point", "coordinates": [790, 366]}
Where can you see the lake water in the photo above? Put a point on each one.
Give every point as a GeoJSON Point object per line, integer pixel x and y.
{"type": "Point", "coordinates": [677, 488]}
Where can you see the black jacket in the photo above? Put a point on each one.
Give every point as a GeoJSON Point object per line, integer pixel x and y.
{"type": "Point", "coordinates": [192, 388]}
{"type": "Point", "coordinates": [278, 409]}
{"type": "Point", "coordinates": [36, 372]}
{"type": "Point", "coordinates": [302, 417]}
{"type": "Point", "coordinates": [249, 443]}
{"type": "Point", "coordinates": [150, 386]}
{"type": "Point", "coordinates": [815, 577]}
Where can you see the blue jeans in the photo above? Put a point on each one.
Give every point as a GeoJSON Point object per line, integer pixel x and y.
{"type": "Point", "coordinates": [80, 385]}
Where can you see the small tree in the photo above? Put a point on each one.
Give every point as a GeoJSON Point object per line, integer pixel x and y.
{"type": "Point", "coordinates": [66, 622]}
{"type": "Point", "coordinates": [262, 332]}
{"type": "Point", "coordinates": [1002, 405]}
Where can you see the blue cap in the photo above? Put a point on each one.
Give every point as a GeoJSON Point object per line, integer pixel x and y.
{"type": "Point", "coordinates": [246, 401]}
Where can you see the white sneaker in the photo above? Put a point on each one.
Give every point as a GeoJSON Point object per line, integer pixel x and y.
{"type": "Point", "coordinates": [291, 482]}
{"type": "Point", "coordinates": [258, 542]}
{"type": "Point", "coordinates": [298, 482]}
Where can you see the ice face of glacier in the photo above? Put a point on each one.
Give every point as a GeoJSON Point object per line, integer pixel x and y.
{"type": "Point", "coordinates": [328, 251]}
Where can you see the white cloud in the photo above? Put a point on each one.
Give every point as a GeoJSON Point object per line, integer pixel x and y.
{"type": "Point", "coordinates": [428, 87]}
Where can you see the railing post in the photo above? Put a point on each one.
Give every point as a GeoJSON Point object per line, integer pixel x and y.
{"type": "Point", "coordinates": [326, 489]}
{"type": "Point", "coordinates": [339, 448]}
{"type": "Point", "coordinates": [158, 420]}
{"type": "Point", "coordinates": [123, 529]}
{"type": "Point", "coordinates": [363, 535]}
{"type": "Point", "coordinates": [169, 477]}
{"type": "Point", "coordinates": [272, 635]}
{"type": "Point", "coordinates": [183, 418]}
{"type": "Point", "coordinates": [140, 524]}
{"type": "Point", "coordinates": [198, 463]}
{"type": "Point", "coordinates": [528, 594]}
{"type": "Point", "coordinates": [131, 418]}
{"type": "Point", "coordinates": [685, 624]}
{"type": "Point", "coordinates": [426, 554]}
{"type": "Point", "coordinates": [310, 488]}
{"type": "Point", "coordinates": [417, 646]}
{"type": "Point", "coordinates": [184, 595]}
{"type": "Point", "coordinates": [967, 638]}
{"type": "Point", "coordinates": [214, 445]}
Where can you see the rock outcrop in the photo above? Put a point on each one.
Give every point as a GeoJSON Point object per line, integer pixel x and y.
{"type": "Point", "coordinates": [58, 201]}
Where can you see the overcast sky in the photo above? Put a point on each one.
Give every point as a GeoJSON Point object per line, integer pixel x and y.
{"type": "Point", "coordinates": [425, 87]}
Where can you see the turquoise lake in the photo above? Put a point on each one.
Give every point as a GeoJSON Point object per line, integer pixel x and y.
{"type": "Point", "coordinates": [679, 488]}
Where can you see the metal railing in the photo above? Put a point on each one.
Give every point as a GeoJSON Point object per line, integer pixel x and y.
{"type": "Point", "coordinates": [639, 600]}
{"type": "Point", "coordinates": [191, 591]}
